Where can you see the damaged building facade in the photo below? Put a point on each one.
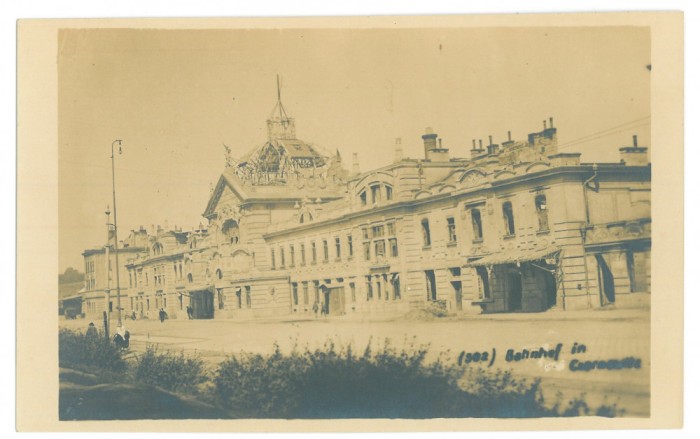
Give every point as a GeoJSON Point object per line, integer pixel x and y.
{"type": "Point", "coordinates": [518, 226]}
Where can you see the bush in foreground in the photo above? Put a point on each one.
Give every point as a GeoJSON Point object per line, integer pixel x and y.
{"type": "Point", "coordinates": [170, 371]}
{"type": "Point", "coordinates": [383, 383]}
{"type": "Point", "coordinates": [78, 350]}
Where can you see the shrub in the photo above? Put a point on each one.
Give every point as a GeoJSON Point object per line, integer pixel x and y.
{"type": "Point", "coordinates": [78, 351]}
{"type": "Point", "coordinates": [333, 382]}
{"type": "Point", "coordinates": [170, 371]}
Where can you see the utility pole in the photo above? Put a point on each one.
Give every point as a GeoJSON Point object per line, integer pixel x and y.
{"type": "Point", "coordinates": [116, 239]}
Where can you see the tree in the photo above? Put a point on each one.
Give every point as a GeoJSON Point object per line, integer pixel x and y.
{"type": "Point", "coordinates": [71, 275]}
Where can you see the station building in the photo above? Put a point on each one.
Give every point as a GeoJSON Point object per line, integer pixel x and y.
{"type": "Point", "coordinates": [515, 227]}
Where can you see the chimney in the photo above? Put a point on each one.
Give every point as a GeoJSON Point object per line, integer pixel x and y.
{"type": "Point", "coordinates": [476, 152]}
{"type": "Point", "coordinates": [545, 141]}
{"type": "Point", "coordinates": [355, 164]}
{"type": "Point", "coordinates": [429, 141]}
{"type": "Point", "coordinates": [634, 155]}
{"type": "Point", "coordinates": [509, 141]}
{"type": "Point", "coordinates": [398, 150]}
{"type": "Point", "coordinates": [491, 148]}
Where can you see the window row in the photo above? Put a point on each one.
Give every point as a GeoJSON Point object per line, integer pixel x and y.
{"type": "Point", "coordinates": [290, 252]}
{"type": "Point", "coordinates": [477, 225]}
{"type": "Point", "coordinates": [377, 193]}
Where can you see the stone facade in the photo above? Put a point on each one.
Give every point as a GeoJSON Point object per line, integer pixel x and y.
{"type": "Point", "coordinates": [518, 226]}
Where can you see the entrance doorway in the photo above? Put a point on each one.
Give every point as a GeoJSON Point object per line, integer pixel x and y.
{"type": "Point", "coordinates": [457, 288]}
{"type": "Point", "coordinates": [202, 303]}
{"type": "Point", "coordinates": [515, 292]}
{"type": "Point", "coordinates": [334, 300]}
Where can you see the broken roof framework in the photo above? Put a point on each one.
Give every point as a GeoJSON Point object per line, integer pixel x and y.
{"type": "Point", "coordinates": [282, 155]}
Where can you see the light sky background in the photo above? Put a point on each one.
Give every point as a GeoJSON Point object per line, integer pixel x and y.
{"type": "Point", "coordinates": [176, 96]}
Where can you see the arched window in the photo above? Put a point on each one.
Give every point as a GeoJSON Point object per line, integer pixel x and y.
{"type": "Point", "coordinates": [305, 217]}
{"type": "Point", "coordinates": [219, 274]}
{"type": "Point", "coordinates": [231, 231]}
{"type": "Point", "coordinates": [508, 219]}
{"type": "Point", "coordinates": [189, 278]}
{"type": "Point", "coordinates": [157, 249]}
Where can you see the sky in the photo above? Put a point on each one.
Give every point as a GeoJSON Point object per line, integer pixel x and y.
{"type": "Point", "coordinates": [175, 97]}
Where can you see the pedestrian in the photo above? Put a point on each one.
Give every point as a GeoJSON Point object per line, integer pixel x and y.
{"type": "Point", "coordinates": [161, 315]}
{"type": "Point", "coordinates": [91, 331]}
{"type": "Point", "coordinates": [315, 309]}
{"type": "Point", "coordinates": [121, 338]}
{"type": "Point", "coordinates": [189, 312]}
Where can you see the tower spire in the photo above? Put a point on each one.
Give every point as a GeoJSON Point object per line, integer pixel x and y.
{"type": "Point", "coordinates": [279, 94]}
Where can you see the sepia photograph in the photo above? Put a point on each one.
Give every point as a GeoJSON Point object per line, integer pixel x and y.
{"type": "Point", "coordinates": [299, 222]}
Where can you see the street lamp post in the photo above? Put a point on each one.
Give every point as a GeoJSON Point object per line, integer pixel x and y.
{"type": "Point", "coordinates": [107, 270]}
{"type": "Point", "coordinates": [116, 239]}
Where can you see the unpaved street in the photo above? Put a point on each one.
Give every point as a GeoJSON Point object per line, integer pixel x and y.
{"type": "Point", "coordinates": [606, 335]}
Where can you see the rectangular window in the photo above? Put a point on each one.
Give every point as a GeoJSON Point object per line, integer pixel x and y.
{"type": "Point", "coordinates": [302, 250]}
{"type": "Point", "coordinates": [305, 288]}
{"type": "Point", "coordinates": [295, 294]}
{"type": "Point", "coordinates": [281, 257]}
{"type": "Point", "coordinates": [394, 248]}
{"type": "Point", "coordinates": [377, 231]}
{"type": "Point", "coordinates": [248, 298]}
{"type": "Point", "coordinates": [541, 207]}
{"type": "Point", "coordinates": [369, 287]}
{"type": "Point", "coordinates": [451, 230]}
{"type": "Point", "coordinates": [476, 225]}
{"type": "Point", "coordinates": [352, 292]}
{"type": "Point", "coordinates": [291, 255]}
{"type": "Point", "coordinates": [363, 198]}
{"type": "Point", "coordinates": [272, 259]}
{"type": "Point", "coordinates": [365, 246]}
{"type": "Point", "coordinates": [337, 247]}
{"type": "Point", "coordinates": [325, 250]}
{"type": "Point", "coordinates": [379, 248]}
{"type": "Point", "coordinates": [220, 295]}
{"type": "Point", "coordinates": [391, 229]}
{"type": "Point", "coordinates": [349, 246]}
{"type": "Point", "coordinates": [313, 252]}
{"type": "Point", "coordinates": [376, 193]}
{"type": "Point", "coordinates": [317, 296]}
{"type": "Point", "coordinates": [396, 287]}
{"type": "Point", "coordinates": [365, 233]}
{"type": "Point", "coordinates": [508, 219]}
{"type": "Point", "coordinates": [389, 193]}
{"type": "Point", "coordinates": [425, 228]}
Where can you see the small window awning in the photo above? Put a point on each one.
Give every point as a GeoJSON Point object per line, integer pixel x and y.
{"type": "Point", "coordinates": [513, 256]}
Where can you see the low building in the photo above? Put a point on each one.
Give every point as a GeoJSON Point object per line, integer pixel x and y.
{"type": "Point", "coordinates": [516, 227]}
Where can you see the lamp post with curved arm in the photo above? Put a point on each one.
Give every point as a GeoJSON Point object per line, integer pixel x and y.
{"type": "Point", "coordinates": [116, 239]}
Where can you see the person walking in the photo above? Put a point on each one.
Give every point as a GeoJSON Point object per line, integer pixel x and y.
{"type": "Point", "coordinates": [161, 315]}
{"type": "Point", "coordinates": [315, 310]}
